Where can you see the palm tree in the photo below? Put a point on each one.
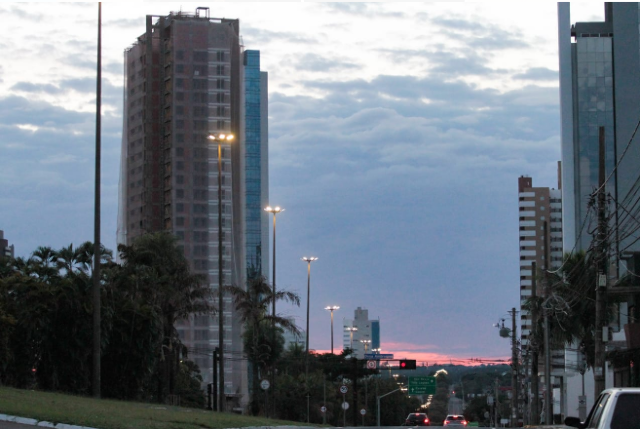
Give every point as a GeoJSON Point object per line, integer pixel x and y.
{"type": "Point", "coordinates": [157, 265]}
{"type": "Point", "coordinates": [252, 305]}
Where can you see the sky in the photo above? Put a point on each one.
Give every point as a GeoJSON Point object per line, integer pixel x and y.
{"type": "Point", "coordinates": [397, 132]}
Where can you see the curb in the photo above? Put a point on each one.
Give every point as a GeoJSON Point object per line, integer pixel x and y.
{"type": "Point", "coordinates": [39, 423]}
{"type": "Point", "coordinates": [45, 424]}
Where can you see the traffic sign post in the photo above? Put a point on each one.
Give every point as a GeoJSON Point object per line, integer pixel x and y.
{"type": "Point", "coordinates": [422, 385]}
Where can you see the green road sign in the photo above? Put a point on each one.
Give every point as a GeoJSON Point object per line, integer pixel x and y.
{"type": "Point", "coordinates": [422, 385]}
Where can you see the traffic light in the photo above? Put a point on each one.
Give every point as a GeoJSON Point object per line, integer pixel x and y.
{"type": "Point", "coordinates": [407, 364]}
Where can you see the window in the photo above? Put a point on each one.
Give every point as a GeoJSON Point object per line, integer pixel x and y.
{"type": "Point", "coordinates": [200, 56]}
{"type": "Point", "coordinates": [596, 411]}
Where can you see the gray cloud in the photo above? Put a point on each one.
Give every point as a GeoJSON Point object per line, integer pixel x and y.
{"type": "Point", "coordinates": [538, 73]}
{"type": "Point", "coordinates": [481, 36]}
{"type": "Point", "coordinates": [370, 10]}
{"type": "Point", "coordinates": [126, 23]}
{"type": "Point", "coordinates": [313, 62]}
{"type": "Point", "coordinates": [46, 88]}
{"type": "Point", "coordinates": [263, 37]}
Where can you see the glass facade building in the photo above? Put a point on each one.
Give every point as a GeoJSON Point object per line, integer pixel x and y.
{"type": "Point", "coordinates": [256, 182]}
{"type": "Point", "coordinates": [600, 87]}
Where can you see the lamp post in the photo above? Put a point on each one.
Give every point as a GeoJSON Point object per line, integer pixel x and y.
{"type": "Point", "coordinates": [332, 308]}
{"type": "Point", "coordinates": [308, 260]}
{"type": "Point", "coordinates": [220, 138]}
{"type": "Point", "coordinates": [365, 343]}
{"type": "Point", "coordinates": [351, 330]}
{"type": "Point", "coordinates": [274, 211]}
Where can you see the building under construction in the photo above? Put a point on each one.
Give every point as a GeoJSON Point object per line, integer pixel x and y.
{"type": "Point", "coordinates": [188, 77]}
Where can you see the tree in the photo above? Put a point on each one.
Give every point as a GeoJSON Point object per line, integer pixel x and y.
{"type": "Point", "coordinates": [261, 344]}
{"type": "Point", "coordinates": [570, 306]}
{"type": "Point", "coordinates": [161, 273]}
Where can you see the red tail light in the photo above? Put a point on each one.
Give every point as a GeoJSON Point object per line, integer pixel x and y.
{"type": "Point", "coordinates": [426, 420]}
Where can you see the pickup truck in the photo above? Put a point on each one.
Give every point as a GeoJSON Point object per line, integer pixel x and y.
{"type": "Point", "coordinates": [615, 408]}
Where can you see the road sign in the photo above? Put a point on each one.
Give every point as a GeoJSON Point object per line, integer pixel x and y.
{"type": "Point", "coordinates": [377, 356]}
{"type": "Point", "coordinates": [363, 411]}
{"type": "Point", "coordinates": [323, 409]}
{"type": "Point", "coordinates": [372, 364]}
{"type": "Point", "coordinates": [422, 385]}
{"type": "Point", "coordinates": [345, 405]}
{"type": "Point", "coordinates": [265, 384]}
{"type": "Point", "coordinates": [344, 389]}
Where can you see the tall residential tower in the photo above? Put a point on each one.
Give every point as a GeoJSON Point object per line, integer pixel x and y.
{"type": "Point", "coordinates": [188, 77]}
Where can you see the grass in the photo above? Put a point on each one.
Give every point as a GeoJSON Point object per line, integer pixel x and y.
{"type": "Point", "coordinates": [109, 414]}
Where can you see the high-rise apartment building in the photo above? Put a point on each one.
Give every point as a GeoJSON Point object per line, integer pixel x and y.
{"type": "Point", "coordinates": [188, 77]}
{"type": "Point", "coordinates": [540, 241]}
{"type": "Point", "coordinates": [361, 334]}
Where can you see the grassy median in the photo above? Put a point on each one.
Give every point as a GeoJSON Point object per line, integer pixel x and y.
{"type": "Point", "coordinates": [108, 414]}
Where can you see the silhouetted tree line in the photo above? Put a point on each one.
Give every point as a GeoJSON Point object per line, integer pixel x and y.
{"type": "Point", "coordinates": [46, 336]}
{"type": "Point", "coordinates": [46, 312]}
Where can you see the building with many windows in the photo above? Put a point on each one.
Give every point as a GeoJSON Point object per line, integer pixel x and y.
{"type": "Point", "coordinates": [361, 334]}
{"type": "Point", "coordinates": [540, 241]}
{"type": "Point", "coordinates": [599, 90]}
{"type": "Point", "coordinates": [188, 77]}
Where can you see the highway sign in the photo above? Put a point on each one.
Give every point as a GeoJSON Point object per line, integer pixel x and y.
{"type": "Point", "coordinates": [377, 356]}
{"type": "Point", "coordinates": [344, 389]}
{"type": "Point", "coordinates": [422, 385]}
{"type": "Point", "coordinates": [265, 384]}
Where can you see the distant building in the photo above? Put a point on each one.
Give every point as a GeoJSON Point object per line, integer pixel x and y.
{"type": "Point", "coordinates": [187, 77]}
{"type": "Point", "coordinates": [361, 334]}
{"type": "Point", "coordinates": [6, 249]}
{"type": "Point", "coordinates": [540, 240]}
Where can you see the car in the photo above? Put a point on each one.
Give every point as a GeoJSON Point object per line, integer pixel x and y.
{"type": "Point", "coordinates": [455, 420]}
{"type": "Point", "coordinates": [417, 419]}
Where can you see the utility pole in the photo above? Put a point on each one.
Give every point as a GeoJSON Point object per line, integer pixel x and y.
{"type": "Point", "coordinates": [598, 369]}
{"type": "Point", "coordinates": [215, 379]}
{"type": "Point", "coordinates": [496, 404]}
{"type": "Point", "coordinates": [514, 371]}
{"type": "Point", "coordinates": [548, 392]}
{"type": "Point", "coordinates": [535, 353]}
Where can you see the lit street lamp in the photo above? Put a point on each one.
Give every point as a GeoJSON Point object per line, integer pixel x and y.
{"type": "Point", "coordinates": [308, 260]}
{"type": "Point", "coordinates": [351, 330]}
{"type": "Point", "coordinates": [220, 138]}
{"type": "Point", "coordinates": [365, 343]}
{"type": "Point", "coordinates": [274, 211]}
{"type": "Point", "coordinates": [332, 308]}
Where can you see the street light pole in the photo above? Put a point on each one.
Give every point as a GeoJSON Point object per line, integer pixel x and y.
{"type": "Point", "coordinates": [219, 138]}
{"type": "Point", "coordinates": [332, 308]}
{"type": "Point", "coordinates": [274, 211]}
{"type": "Point", "coordinates": [308, 260]}
{"type": "Point", "coordinates": [351, 330]}
{"type": "Point", "coordinates": [365, 343]}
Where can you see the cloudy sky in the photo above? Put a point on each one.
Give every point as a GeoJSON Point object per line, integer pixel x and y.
{"type": "Point", "coordinates": [397, 132]}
